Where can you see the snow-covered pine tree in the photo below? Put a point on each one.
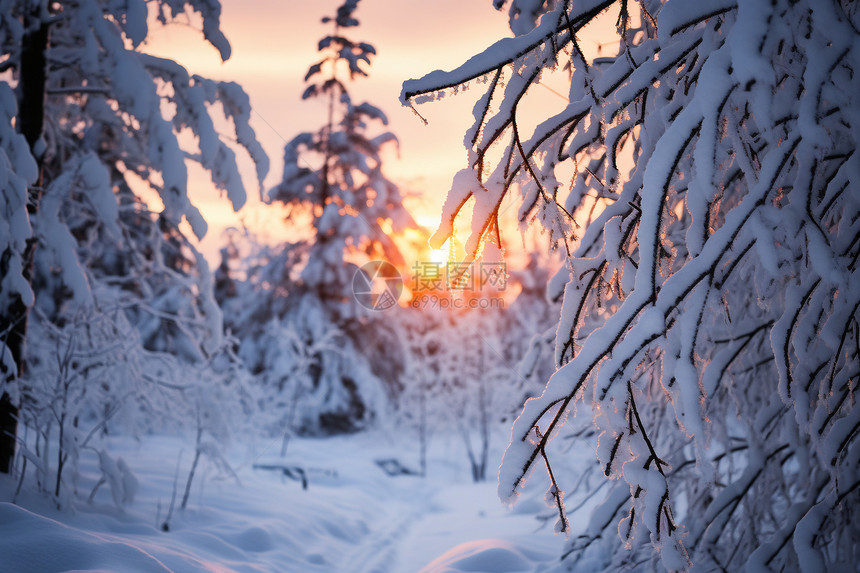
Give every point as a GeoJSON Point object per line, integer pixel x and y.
{"type": "Point", "coordinates": [334, 178]}
{"type": "Point", "coordinates": [353, 206]}
{"type": "Point", "coordinates": [710, 313]}
{"type": "Point", "coordinates": [94, 114]}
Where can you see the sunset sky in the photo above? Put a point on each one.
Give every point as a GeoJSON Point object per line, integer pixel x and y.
{"type": "Point", "coordinates": [274, 42]}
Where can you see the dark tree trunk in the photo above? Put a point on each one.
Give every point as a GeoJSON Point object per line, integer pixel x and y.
{"type": "Point", "coordinates": [31, 114]}
{"type": "Point", "coordinates": [9, 429]}
{"type": "Point", "coordinates": [31, 105]}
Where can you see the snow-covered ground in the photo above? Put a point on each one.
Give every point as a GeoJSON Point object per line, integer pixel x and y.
{"type": "Point", "coordinates": [352, 518]}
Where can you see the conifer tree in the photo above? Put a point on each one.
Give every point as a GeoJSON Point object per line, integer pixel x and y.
{"type": "Point", "coordinates": [345, 357]}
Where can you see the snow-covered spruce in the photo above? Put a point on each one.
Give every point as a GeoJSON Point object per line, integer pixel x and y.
{"type": "Point", "coordinates": [330, 362]}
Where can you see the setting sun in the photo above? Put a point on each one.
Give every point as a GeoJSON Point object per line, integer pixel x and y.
{"type": "Point", "coordinates": [440, 255]}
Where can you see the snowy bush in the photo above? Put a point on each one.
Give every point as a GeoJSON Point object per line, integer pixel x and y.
{"type": "Point", "coordinates": [92, 378]}
{"type": "Point", "coordinates": [79, 377]}
{"type": "Point", "coordinates": [709, 320]}
{"type": "Point", "coordinates": [462, 377]}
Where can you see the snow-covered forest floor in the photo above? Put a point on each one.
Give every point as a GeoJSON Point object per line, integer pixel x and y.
{"type": "Point", "coordinates": [352, 518]}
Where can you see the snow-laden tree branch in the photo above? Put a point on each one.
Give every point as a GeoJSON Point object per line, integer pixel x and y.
{"type": "Point", "coordinates": [710, 313]}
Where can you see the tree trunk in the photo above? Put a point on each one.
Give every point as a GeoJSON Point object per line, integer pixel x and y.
{"type": "Point", "coordinates": [197, 452]}
{"type": "Point", "coordinates": [31, 117]}
{"type": "Point", "coordinates": [8, 432]}
{"type": "Point", "coordinates": [31, 106]}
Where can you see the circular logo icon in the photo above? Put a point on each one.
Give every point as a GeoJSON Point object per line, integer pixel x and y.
{"type": "Point", "coordinates": [377, 285]}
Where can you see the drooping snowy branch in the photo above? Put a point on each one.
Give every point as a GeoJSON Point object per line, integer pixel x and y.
{"type": "Point", "coordinates": [710, 317]}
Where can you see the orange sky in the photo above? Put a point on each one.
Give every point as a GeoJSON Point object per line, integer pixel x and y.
{"type": "Point", "coordinates": [274, 42]}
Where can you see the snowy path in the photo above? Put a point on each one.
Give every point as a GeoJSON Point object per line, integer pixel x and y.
{"type": "Point", "coordinates": [377, 553]}
{"type": "Point", "coordinates": [352, 519]}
